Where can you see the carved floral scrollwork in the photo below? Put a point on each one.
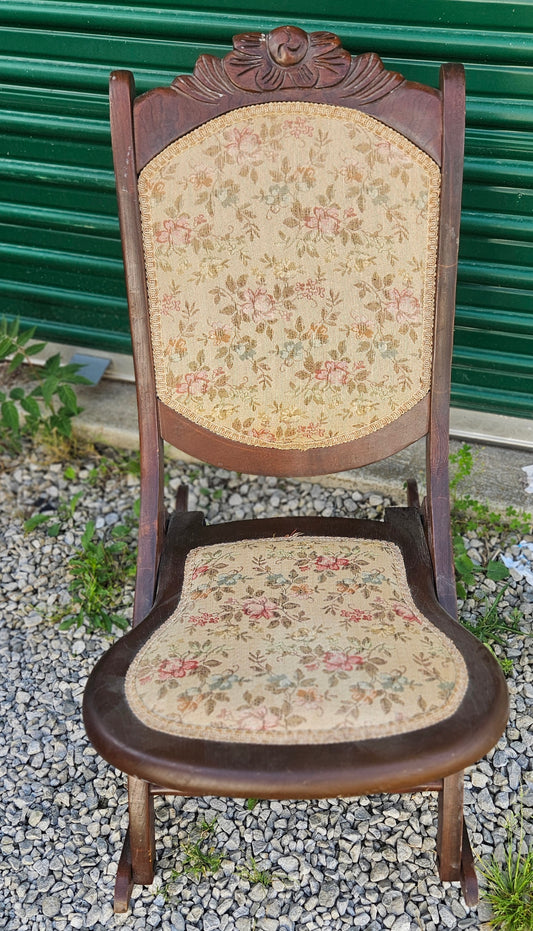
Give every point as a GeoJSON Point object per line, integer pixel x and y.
{"type": "Point", "coordinates": [288, 58]}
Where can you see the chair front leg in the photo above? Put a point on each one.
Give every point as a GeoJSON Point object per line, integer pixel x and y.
{"type": "Point", "coordinates": [453, 844]}
{"type": "Point", "coordinates": [142, 830]}
{"type": "Point", "coordinates": [136, 864]}
{"type": "Point", "coordinates": [450, 828]}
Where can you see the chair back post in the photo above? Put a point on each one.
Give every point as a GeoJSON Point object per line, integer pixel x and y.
{"type": "Point", "coordinates": [452, 87]}
{"type": "Point", "coordinates": [152, 516]}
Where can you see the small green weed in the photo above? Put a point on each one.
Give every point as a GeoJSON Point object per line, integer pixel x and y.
{"type": "Point", "coordinates": [99, 567]}
{"type": "Point", "coordinates": [252, 874]}
{"type": "Point", "coordinates": [215, 495]}
{"type": "Point", "coordinates": [251, 803]}
{"type": "Point", "coordinates": [470, 514]}
{"type": "Point", "coordinates": [64, 513]}
{"type": "Point", "coordinates": [200, 857]}
{"type": "Point", "coordinates": [123, 464]}
{"type": "Point", "coordinates": [43, 412]}
{"type": "Point", "coordinates": [493, 627]}
{"type": "Point", "coordinates": [467, 571]}
{"type": "Point", "coordinates": [99, 570]}
{"type": "Point", "coordinates": [509, 885]}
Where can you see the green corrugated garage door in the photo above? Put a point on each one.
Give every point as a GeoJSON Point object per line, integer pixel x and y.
{"type": "Point", "coordinates": [59, 241]}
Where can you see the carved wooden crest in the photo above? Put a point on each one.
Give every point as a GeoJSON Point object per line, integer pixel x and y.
{"type": "Point", "coordinates": [284, 59]}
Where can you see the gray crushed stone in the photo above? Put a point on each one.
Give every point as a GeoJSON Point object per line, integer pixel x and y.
{"type": "Point", "coordinates": [339, 864]}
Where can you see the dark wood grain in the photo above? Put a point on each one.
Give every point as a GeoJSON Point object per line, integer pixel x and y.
{"type": "Point", "coordinates": [230, 454]}
{"type": "Point", "coordinates": [438, 494]}
{"type": "Point", "coordinates": [152, 516]}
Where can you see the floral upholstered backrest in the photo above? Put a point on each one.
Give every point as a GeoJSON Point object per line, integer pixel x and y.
{"type": "Point", "coordinates": [291, 249]}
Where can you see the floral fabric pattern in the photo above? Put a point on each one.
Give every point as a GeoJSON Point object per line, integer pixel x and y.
{"type": "Point", "coordinates": [295, 640]}
{"type": "Point", "coordinates": [291, 252]}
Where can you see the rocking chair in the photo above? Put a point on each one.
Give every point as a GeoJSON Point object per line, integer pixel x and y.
{"type": "Point", "coordinates": [290, 222]}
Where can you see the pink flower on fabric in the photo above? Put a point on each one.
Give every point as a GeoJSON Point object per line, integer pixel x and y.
{"type": "Point", "coordinates": [325, 220]}
{"type": "Point", "coordinates": [333, 373]}
{"type": "Point", "coordinates": [298, 127]}
{"type": "Point", "coordinates": [406, 613]}
{"type": "Point", "coordinates": [357, 615]}
{"type": "Point", "coordinates": [243, 144]}
{"type": "Point", "coordinates": [311, 288]}
{"type": "Point", "coordinates": [331, 562]}
{"type": "Point", "coordinates": [259, 305]}
{"type": "Point", "coordinates": [404, 305]}
{"type": "Point", "coordinates": [200, 570]}
{"type": "Point", "coordinates": [176, 668]}
{"type": "Point", "coordinates": [335, 661]}
{"type": "Point", "coordinates": [259, 719]}
{"type": "Point", "coordinates": [200, 620]}
{"type": "Point", "coordinates": [170, 305]}
{"type": "Point", "coordinates": [262, 434]}
{"type": "Point", "coordinates": [311, 429]}
{"type": "Point", "coordinates": [175, 232]}
{"type": "Point", "coordinates": [194, 383]}
{"type": "Point", "coordinates": [260, 606]}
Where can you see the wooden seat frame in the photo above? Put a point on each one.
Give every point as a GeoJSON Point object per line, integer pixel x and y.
{"type": "Point", "coordinates": [260, 69]}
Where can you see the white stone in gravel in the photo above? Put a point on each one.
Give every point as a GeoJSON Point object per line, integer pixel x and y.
{"type": "Point", "coordinates": [403, 923]}
{"type": "Point", "coordinates": [257, 893]}
{"type": "Point", "coordinates": [485, 802]}
{"type": "Point", "coordinates": [479, 780]}
{"type": "Point", "coordinates": [379, 871]}
{"type": "Point", "coordinates": [288, 864]}
{"type": "Point", "coordinates": [404, 851]}
{"type": "Point", "coordinates": [51, 905]}
{"type": "Point", "coordinates": [361, 921]}
{"type": "Point", "coordinates": [267, 924]}
{"type": "Point", "coordinates": [514, 775]}
{"type": "Point", "coordinates": [393, 902]}
{"type": "Point", "coordinates": [211, 921]}
{"type": "Point", "coordinates": [285, 923]}
{"type": "Point", "coordinates": [447, 918]}
{"type": "Point", "coordinates": [328, 895]}
{"type": "Point", "coordinates": [78, 648]}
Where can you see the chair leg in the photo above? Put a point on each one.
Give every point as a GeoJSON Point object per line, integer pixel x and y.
{"type": "Point", "coordinates": [136, 864]}
{"type": "Point", "coordinates": [453, 845]}
{"type": "Point", "coordinates": [124, 879]}
{"type": "Point", "coordinates": [450, 829]}
{"type": "Point", "coordinates": [142, 830]}
{"type": "Point", "coordinates": [469, 883]}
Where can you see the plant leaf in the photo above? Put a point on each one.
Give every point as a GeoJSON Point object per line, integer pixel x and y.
{"type": "Point", "coordinates": [497, 571]}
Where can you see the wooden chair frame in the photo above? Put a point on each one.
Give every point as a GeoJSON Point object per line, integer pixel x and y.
{"type": "Point", "coordinates": [141, 128]}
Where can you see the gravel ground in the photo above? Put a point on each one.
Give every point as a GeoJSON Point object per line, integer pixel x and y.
{"type": "Point", "coordinates": [340, 864]}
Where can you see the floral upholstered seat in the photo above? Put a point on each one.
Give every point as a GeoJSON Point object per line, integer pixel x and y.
{"type": "Point", "coordinates": [293, 641]}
